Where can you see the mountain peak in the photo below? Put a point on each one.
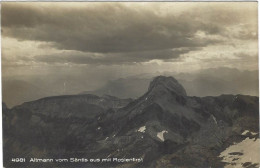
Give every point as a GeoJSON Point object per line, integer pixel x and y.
{"type": "Point", "coordinates": [169, 83]}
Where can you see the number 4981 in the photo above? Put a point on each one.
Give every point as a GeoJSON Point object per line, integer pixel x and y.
{"type": "Point", "coordinates": [18, 159]}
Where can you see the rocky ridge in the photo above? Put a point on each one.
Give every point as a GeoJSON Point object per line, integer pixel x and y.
{"type": "Point", "coordinates": [164, 127]}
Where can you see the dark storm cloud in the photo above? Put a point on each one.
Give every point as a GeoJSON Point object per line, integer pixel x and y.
{"type": "Point", "coordinates": [112, 58]}
{"type": "Point", "coordinates": [105, 28]}
{"type": "Point", "coordinates": [120, 33]}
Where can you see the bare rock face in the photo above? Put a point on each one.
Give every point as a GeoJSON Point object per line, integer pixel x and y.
{"type": "Point", "coordinates": [165, 127]}
{"type": "Point", "coordinates": [162, 83]}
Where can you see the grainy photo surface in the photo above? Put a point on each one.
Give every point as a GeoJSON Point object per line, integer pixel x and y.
{"type": "Point", "coordinates": [130, 84]}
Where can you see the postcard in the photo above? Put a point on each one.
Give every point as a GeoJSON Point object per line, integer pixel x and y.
{"type": "Point", "coordinates": [130, 84]}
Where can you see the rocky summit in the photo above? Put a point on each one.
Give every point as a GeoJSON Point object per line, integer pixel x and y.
{"type": "Point", "coordinates": [164, 128]}
{"type": "Point", "coordinates": [170, 84]}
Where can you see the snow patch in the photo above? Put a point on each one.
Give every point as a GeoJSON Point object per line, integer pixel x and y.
{"type": "Point", "coordinates": [253, 133]}
{"type": "Point", "coordinates": [160, 135]}
{"type": "Point", "coordinates": [142, 129]}
{"type": "Point", "coordinates": [240, 153]}
{"type": "Point", "coordinates": [214, 118]}
{"type": "Point", "coordinates": [246, 131]}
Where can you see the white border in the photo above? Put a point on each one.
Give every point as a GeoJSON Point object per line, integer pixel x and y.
{"type": "Point", "coordinates": [129, 1]}
{"type": "Point", "coordinates": [1, 132]}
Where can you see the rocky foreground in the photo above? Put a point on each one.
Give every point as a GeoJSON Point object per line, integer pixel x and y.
{"type": "Point", "coordinates": [164, 128]}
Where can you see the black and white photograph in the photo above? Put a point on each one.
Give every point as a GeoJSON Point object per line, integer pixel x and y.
{"type": "Point", "coordinates": [130, 84]}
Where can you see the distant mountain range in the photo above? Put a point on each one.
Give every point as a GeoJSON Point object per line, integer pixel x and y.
{"type": "Point", "coordinates": [208, 82]}
{"type": "Point", "coordinates": [164, 127]}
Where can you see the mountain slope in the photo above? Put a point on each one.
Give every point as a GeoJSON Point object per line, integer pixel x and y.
{"type": "Point", "coordinates": [164, 127]}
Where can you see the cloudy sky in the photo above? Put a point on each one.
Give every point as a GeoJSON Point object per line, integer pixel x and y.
{"type": "Point", "coordinates": [122, 38]}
